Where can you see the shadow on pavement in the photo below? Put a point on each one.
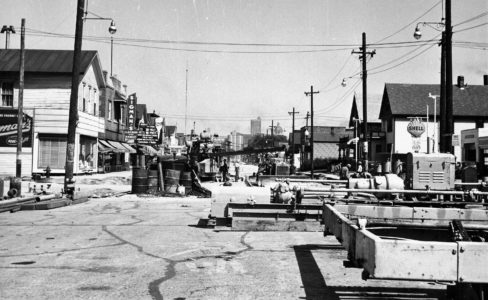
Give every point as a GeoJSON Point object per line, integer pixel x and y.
{"type": "Point", "coordinates": [316, 287]}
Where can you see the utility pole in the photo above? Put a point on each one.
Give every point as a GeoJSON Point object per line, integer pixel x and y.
{"type": "Point", "coordinates": [73, 104]}
{"type": "Point", "coordinates": [449, 104]}
{"type": "Point", "coordinates": [362, 56]}
{"type": "Point", "coordinates": [20, 117]}
{"type": "Point", "coordinates": [186, 96]}
{"type": "Point", "coordinates": [293, 136]}
{"type": "Point", "coordinates": [443, 102]}
{"type": "Point", "coordinates": [311, 125]}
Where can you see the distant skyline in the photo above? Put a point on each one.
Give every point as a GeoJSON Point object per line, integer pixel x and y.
{"type": "Point", "coordinates": [257, 58]}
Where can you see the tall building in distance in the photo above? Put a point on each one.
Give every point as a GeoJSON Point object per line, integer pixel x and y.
{"type": "Point", "coordinates": [256, 126]}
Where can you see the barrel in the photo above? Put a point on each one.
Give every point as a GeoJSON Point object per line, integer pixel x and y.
{"type": "Point", "coordinates": [139, 180]}
{"type": "Point", "coordinates": [185, 180]}
{"type": "Point", "coordinates": [152, 181]}
{"type": "Point", "coordinates": [171, 180]}
{"type": "Point", "coordinates": [16, 184]}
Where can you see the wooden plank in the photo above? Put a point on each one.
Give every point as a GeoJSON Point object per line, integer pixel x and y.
{"type": "Point", "coordinates": [259, 224]}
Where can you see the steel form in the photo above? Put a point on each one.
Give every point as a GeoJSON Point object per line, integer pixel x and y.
{"type": "Point", "coordinates": [409, 259]}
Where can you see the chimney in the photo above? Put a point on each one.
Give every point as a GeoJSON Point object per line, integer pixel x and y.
{"type": "Point", "coordinates": [460, 82]}
{"type": "Point", "coordinates": [105, 73]}
{"type": "Point", "coordinates": [125, 89]}
{"type": "Point", "coordinates": [485, 79]}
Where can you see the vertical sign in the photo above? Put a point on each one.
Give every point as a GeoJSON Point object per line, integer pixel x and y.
{"type": "Point", "coordinates": [130, 134]}
{"type": "Point", "coordinates": [131, 111]}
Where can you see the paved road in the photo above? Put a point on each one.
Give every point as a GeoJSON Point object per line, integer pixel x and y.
{"type": "Point", "coordinates": [150, 248]}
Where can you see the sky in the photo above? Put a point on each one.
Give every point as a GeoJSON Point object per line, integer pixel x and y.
{"type": "Point", "coordinates": [222, 63]}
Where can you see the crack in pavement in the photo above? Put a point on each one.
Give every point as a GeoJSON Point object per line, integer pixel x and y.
{"type": "Point", "coordinates": [171, 269]}
{"type": "Point", "coordinates": [139, 248]}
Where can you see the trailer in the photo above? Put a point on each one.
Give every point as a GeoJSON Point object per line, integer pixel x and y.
{"type": "Point", "coordinates": [415, 243]}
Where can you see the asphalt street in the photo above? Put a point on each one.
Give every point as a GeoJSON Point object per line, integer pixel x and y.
{"type": "Point", "coordinates": [132, 247]}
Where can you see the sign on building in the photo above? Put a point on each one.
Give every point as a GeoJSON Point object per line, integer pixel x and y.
{"type": "Point", "coordinates": [416, 128]}
{"type": "Point", "coordinates": [130, 134]}
{"type": "Point", "coordinates": [8, 128]}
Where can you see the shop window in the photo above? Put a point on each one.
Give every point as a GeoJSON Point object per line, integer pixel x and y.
{"type": "Point", "coordinates": [7, 90]}
{"type": "Point", "coordinates": [52, 152]}
{"type": "Point", "coordinates": [109, 115]}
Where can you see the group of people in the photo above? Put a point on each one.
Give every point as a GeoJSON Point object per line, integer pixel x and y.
{"type": "Point", "coordinates": [224, 170]}
{"type": "Point", "coordinates": [345, 171]}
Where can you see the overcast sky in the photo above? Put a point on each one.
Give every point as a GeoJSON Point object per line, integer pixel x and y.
{"type": "Point", "coordinates": [233, 77]}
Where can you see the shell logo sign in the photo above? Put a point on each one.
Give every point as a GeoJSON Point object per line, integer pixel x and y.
{"type": "Point", "coordinates": [416, 128]}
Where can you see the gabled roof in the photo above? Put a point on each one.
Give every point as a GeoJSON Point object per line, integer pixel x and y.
{"type": "Point", "coordinates": [374, 105]}
{"type": "Point", "coordinates": [412, 100]}
{"type": "Point", "coordinates": [44, 61]}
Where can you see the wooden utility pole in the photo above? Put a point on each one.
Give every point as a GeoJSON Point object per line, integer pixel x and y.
{"type": "Point", "coordinates": [293, 136]}
{"type": "Point", "coordinates": [73, 104]}
{"type": "Point", "coordinates": [311, 125]}
{"type": "Point", "coordinates": [443, 102]}
{"type": "Point", "coordinates": [449, 104]}
{"type": "Point", "coordinates": [364, 74]}
{"type": "Point", "coordinates": [20, 117]}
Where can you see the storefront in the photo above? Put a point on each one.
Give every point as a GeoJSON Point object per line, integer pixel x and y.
{"type": "Point", "coordinates": [113, 156]}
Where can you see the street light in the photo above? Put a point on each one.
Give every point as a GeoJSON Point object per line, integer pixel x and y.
{"type": "Point", "coordinates": [7, 30]}
{"type": "Point", "coordinates": [446, 114]}
{"type": "Point", "coordinates": [435, 119]}
{"type": "Point", "coordinates": [439, 26]}
{"type": "Point", "coordinates": [112, 29]}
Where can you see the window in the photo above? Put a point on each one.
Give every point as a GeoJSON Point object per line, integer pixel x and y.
{"type": "Point", "coordinates": [122, 111]}
{"type": "Point", "coordinates": [109, 115]}
{"type": "Point", "coordinates": [378, 148]}
{"type": "Point", "coordinates": [84, 104]}
{"type": "Point", "coordinates": [389, 125]}
{"type": "Point", "coordinates": [52, 152]}
{"type": "Point", "coordinates": [95, 102]}
{"type": "Point", "coordinates": [7, 93]}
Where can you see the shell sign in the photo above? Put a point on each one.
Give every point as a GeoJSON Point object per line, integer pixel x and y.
{"type": "Point", "coordinates": [416, 128]}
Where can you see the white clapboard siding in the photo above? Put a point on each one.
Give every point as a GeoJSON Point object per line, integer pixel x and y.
{"type": "Point", "coordinates": [90, 125]}
{"type": "Point", "coordinates": [47, 98]}
{"type": "Point", "coordinates": [51, 120]}
{"type": "Point", "coordinates": [8, 161]}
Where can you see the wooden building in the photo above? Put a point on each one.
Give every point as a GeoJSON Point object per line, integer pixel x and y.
{"type": "Point", "coordinates": [47, 90]}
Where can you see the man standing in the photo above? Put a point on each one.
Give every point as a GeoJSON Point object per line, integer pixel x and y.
{"type": "Point", "coordinates": [225, 170]}
{"type": "Point", "coordinates": [237, 167]}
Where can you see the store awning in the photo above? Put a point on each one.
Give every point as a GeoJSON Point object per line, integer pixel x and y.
{"type": "Point", "coordinates": [108, 147]}
{"type": "Point", "coordinates": [103, 149]}
{"type": "Point", "coordinates": [118, 146]}
{"type": "Point", "coordinates": [131, 150]}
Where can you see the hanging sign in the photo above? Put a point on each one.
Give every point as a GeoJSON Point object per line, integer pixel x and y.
{"type": "Point", "coordinates": [416, 128]}
{"type": "Point", "coordinates": [8, 128]}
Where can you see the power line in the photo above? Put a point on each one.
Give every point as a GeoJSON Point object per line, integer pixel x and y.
{"type": "Point", "coordinates": [472, 19]}
{"type": "Point", "coordinates": [409, 24]}
{"type": "Point", "coordinates": [472, 27]}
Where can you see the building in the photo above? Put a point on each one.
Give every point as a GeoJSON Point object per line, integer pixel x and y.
{"type": "Point", "coordinates": [113, 152]}
{"type": "Point", "coordinates": [256, 126]}
{"type": "Point", "coordinates": [326, 141]}
{"type": "Point", "coordinates": [402, 102]}
{"type": "Point", "coordinates": [474, 145]}
{"type": "Point", "coordinates": [47, 92]}
{"type": "Point", "coordinates": [375, 133]}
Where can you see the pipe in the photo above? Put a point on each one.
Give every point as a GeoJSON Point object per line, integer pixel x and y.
{"type": "Point", "coordinates": [37, 198]}
{"type": "Point", "coordinates": [425, 192]}
{"type": "Point", "coordinates": [336, 181]}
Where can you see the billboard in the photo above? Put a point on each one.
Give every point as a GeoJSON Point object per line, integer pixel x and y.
{"type": "Point", "coordinates": [8, 128]}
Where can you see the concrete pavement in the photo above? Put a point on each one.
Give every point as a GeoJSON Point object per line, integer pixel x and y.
{"type": "Point", "coordinates": [150, 248]}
